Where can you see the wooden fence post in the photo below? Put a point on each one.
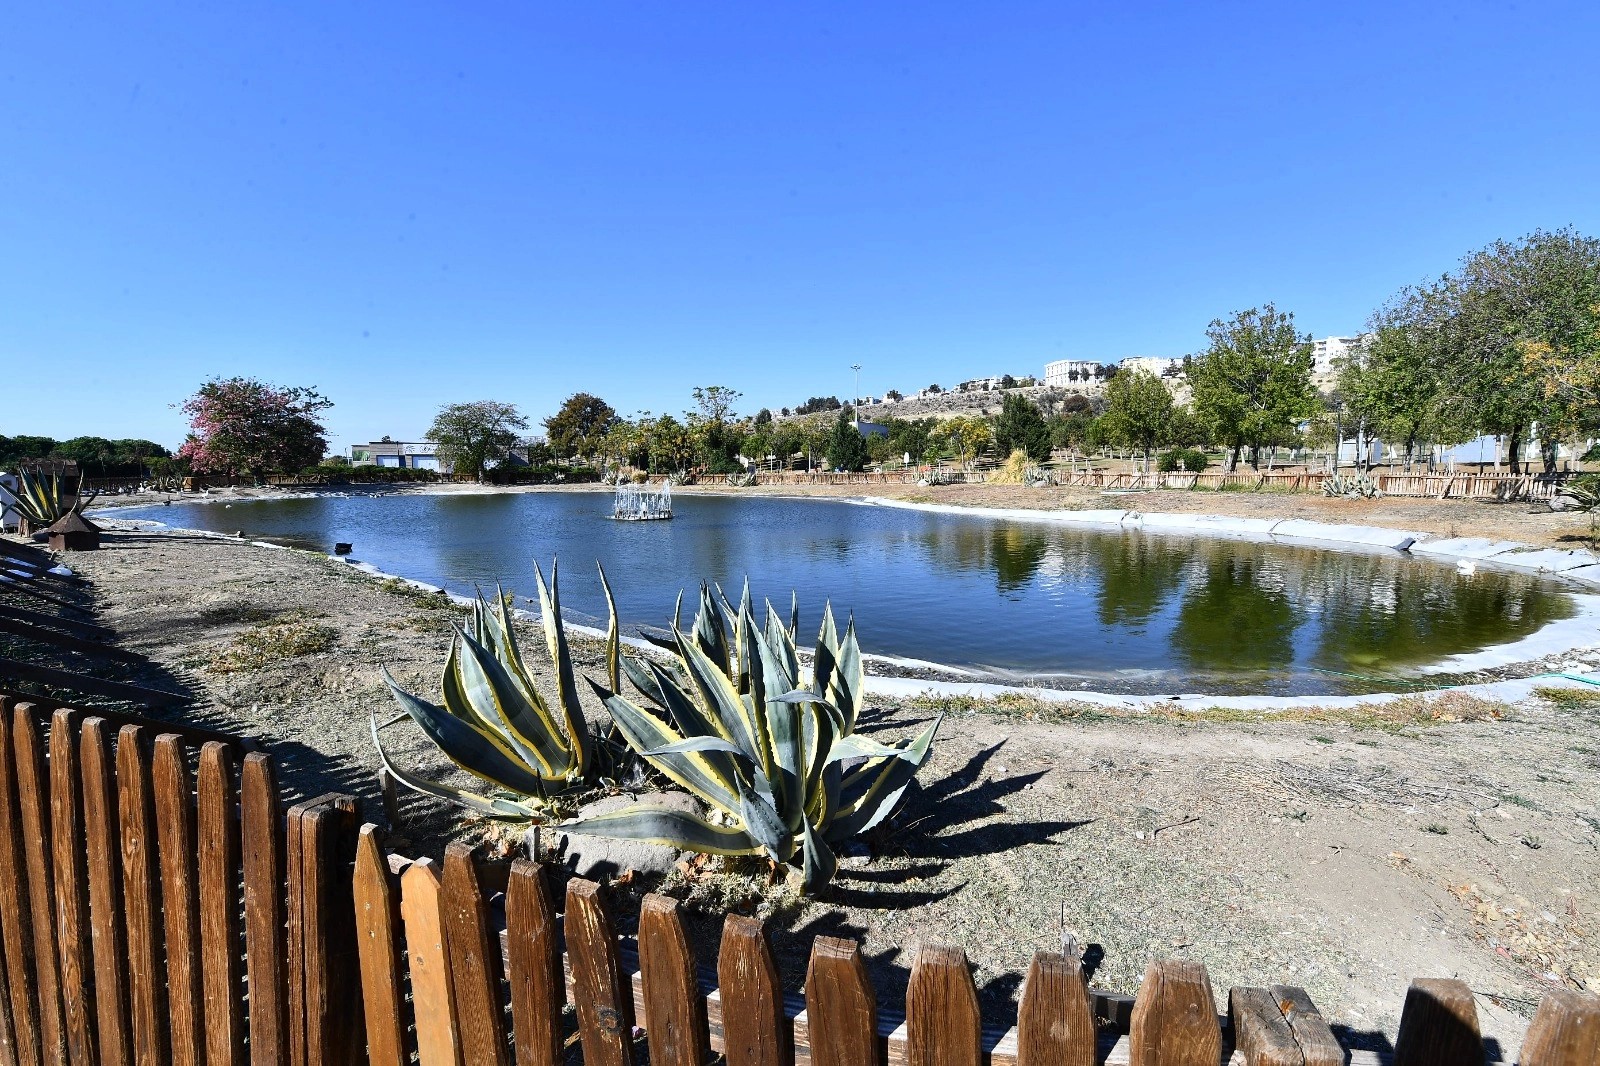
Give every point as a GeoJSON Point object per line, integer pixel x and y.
{"type": "Point", "coordinates": [16, 929]}
{"type": "Point", "coordinates": [841, 1007]}
{"type": "Point", "coordinates": [73, 936]}
{"type": "Point", "coordinates": [175, 833]}
{"type": "Point", "coordinates": [1055, 1025]}
{"type": "Point", "coordinates": [33, 792]}
{"type": "Point", "coordinates": [1318, 1045]}
{"type": "Point", "coordinates": [538, 988]}
{"type": "Point", "coordinates": [141, 887]}
{"type": "Point", "coordinates": [674, 1010]}
{"type": "Point", "coordinates": [604, 1000]}
{"type": "Point", "coordinates": [474, 961]}
{"type": "Point", "coordinates": [431, 993]}
{"type": "Point", "coordinates": [378, 936]}
{"type": "Point", "coordinates": [1260, 1031]}
{"type": "Point", "coordinates": [1175, 1018]}
{"type": "Point", "coordinates": [1439, 1025]}
{"type": "Point", "coordinates": [102, 828]}
{"type": "Point", "coordinates": [1565, 1031]}
{"type": "Point", "coordinates": [943, 1027]}
{"type": "Point", "coordinates": [221, 931]}
{"type": "Point", "coordinates": [326, 1026]}
{"type": "Point", "coordinates": [755, 1031]}
{"type": "Point", "coordinates": [261, 834]}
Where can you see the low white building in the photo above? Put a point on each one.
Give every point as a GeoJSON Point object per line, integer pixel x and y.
{"type": "Point", "coordinates": [1159, 365]}
{"type": "Point", "coordinates": [1064, 373]}
{"type": "Point", "coordinates": [411, 455]}
{"type": "Point", "coordinates": [1329, 349]}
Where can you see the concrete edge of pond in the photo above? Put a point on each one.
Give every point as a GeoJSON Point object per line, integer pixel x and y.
{"type": "Point", "coordinates": [1553, 639]}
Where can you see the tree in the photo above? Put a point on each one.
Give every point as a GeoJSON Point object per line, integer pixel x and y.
{"type": "Point", "coordinates": [846, 449]}
{"type": "Point", "coordinates": [475, 436]}
{"type": "Point", "coordinates": [1008, 382]}
{"type": "Point", "coordinates": [580, 426]}
{"type": "Point", "coordinates": [1020, 425]}
{"type": "Point", "coordinates": [1252, 386]}
{"type": "Point", "coordinates": [241, 425]}
{"type": "Point", "coordinates": [1390, 384]}
{"type": "Point", "coordinates": [963, 435]}
{"type": "Point", "coordinates": [893, 394]}
{"type": "Point", "coordinates": [818, 404]}
{"type": "Point", "coordinates": [1138, 412]}
{"type": "Point", "coordinates": [715, 402]}
{"type": "Point", "coordinates": [763, 417]}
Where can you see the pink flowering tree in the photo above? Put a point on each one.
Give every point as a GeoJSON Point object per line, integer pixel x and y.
{"type": "Point", "coordinates": [243, 426]}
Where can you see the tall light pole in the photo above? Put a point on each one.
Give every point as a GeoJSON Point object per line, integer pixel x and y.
{"type": "Point", "coordinates": [856, 405]}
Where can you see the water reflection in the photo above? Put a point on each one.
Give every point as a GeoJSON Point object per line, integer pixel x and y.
{"type": "Point", "coordinates": [1116, 609]}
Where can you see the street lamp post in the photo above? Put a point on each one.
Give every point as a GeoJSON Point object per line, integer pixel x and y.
{"type": "Point", "coordinates": [856, 405]}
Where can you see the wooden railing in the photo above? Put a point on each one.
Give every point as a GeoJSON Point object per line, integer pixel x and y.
{"type": "Point", "coordinates": [159, 904]}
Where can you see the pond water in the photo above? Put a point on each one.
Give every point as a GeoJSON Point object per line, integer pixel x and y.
{"type": "Point", "coordinates": [1108, 610]}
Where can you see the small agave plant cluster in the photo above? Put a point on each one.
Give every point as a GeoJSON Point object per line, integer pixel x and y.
{"type": "Point", "coordinates": [767, 744]}
{"type": "Point", "coordinates": [43, 500]}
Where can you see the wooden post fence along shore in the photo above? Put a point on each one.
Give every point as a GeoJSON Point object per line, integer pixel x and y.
{"type": "Point", "coordinates": [159, 904]}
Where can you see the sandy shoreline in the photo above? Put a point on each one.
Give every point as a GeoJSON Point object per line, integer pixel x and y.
{"type": "Point", "coordinates": [1345, 852]}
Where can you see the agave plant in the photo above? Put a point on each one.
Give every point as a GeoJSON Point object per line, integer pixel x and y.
{"type": "Point", "coordinates": [494, 723]}
{"type": "Point", "coordinates": [771, 749]}
{"type": "Point", "coordinates": [41, 499]}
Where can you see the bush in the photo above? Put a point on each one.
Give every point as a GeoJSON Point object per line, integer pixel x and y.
{"type": "Point", "coordinates": [1191, 459]}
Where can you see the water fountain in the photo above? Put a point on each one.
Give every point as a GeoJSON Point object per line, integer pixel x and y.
{"type": "Point", "coordinates": [641, 503]}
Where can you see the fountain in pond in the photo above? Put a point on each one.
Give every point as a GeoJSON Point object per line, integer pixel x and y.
{"type": "Point", "coordinates": [641, 503]}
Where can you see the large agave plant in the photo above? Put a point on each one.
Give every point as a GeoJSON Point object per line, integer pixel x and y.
{"type": "Point", "coordinates": [494, 723]}
{"type": "Point", "coordinates": [770, 748]}
{"type": "Point", "coordinates": [42, 499]}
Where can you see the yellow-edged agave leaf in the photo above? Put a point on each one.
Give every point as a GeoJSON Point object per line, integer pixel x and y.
{"type": "Point", "coordinates": [665, 825]}
{"type": "Point", "coordinates": [870, 793]}
{"type": "Point", "coordinates": [492, 693]}
{"type": "Point", "coordinates": [475, 750]}
{"type": "Point", "coordinates": [492, 806]}
{"type": "Point", "coordinates": [781, 642]}
{"type": "Point", "coordinates": [555, 636]}
{"type": "Point", "coordinates": [765, 825]}
{"type": "Point", "coordinates": [722, 699]}
{"type": "Point", "coordinates": [818, 864]}
{"type": "Point", "coordinates": [613, 636]}
{"type": "Point", "coordinates": [708, 774]}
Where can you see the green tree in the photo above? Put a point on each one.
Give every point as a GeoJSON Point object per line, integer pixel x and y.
{"type": "Point", "coordinates": [1390, 384]}
{"type": "Point", "coordinates": [1020, 425]}
{"type": "Point", "coordinates": [846, 449]}
{"type": "Point", "coordinates": [475, 436]}
{"type": "Point", "coordinates": [963, 436]}
{"type": "Point", "coordinates": [715, 402]}
{"type": "Point", "coordinates": [1138, 412]}
{"type": "Point", "coordinates": [1252, 386]}
{"type": "Point", "coordinates": [580, 426]}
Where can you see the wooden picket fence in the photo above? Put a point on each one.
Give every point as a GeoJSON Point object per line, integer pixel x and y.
{"type": "Point", "coordinates": [159, 905]}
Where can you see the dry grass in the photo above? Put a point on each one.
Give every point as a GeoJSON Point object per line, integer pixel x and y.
{"type": "Point", "coordinates": [273, 642]}
{"type": "Point", "coordinates": [1570, 699]}
{"type": "Point", "coordinates": [1440, 708]}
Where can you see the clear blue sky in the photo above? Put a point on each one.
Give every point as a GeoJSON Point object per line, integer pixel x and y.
{"type": "Point", "coordinates": [411, 204]}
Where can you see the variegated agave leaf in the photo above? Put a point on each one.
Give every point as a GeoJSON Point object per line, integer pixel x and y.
{"type": "Point", "coordinates": [493, 721]}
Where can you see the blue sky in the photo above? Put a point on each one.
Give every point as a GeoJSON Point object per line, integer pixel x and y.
{"type": "Point", "coordinates": [407, 205]}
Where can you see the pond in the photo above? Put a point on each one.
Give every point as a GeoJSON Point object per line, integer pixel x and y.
{"type": "Point", "coordinates": [1107, 610]}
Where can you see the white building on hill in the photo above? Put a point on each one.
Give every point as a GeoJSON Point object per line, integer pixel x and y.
{"type": "Point", "coordinates": [1159, 365]}
{"type": "Point", "coordinates": [1325, 351]}
{"type": "Point", "coordinates": [1064, 373]}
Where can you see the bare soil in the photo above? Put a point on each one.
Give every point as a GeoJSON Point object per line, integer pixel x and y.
{"type": "Point", "coordinates": [1347, 853]}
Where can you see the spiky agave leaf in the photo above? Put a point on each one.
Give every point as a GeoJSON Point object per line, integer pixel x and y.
{"type": "Point", "coordinates": [652, 824]}
{"type": "Point", "coordinates": [494, 807]}
{"type": "Point", "coordinates": [555, 635]}
{"type": "Point", "coordinates": [475, 750]}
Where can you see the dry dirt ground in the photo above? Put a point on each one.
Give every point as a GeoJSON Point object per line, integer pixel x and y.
{"type": "Point", "coordinates": [1347, 853]}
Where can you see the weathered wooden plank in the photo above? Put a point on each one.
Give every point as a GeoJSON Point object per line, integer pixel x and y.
{"type": "Point", "coordinates": [67, 642]}
{"type": "Point", "coordinates": [755, 1028]}
{"type": "Point", "coordinates": [87, 630]}
{"type": "Point", "coordinates": [1565, 1031]}
{"type": "Point", "coordinates": [1318, 1045]}
{"type": "Point", "coordinates": [1055, 1025]}
{"type": "Point", "coordinates": [1175, 1017]}
{"type": "Point", "coordinates": [1260, 1032]}
{"type": "Point", "coordinates": [603, 999]}
{"type": "Point", "coordinates": [326, 1026]}
{"type": "Point", "coordinates": [95, 686]}
{"type": "Point", "coordinates": [674, 1010]}
{"type": "Point", "coordinates": [68, 854]}
{"type": "Point", "coordinates": [8, 1041]}
{"type": "Point", "coordinates": [33, 798]}
{"type": "Point", "coordinates": [1438, 1025]}
{"type": "Point", "coordinates": [943, 1027]}
{"type": "Point", "coordinates": [222, 963]}
{"type": "Point", "coordinates": [474, 961]}
{"type": "Point", "coordinates": [841, 1022]}
{"type": "Point", "coordinates": [534, 958]}
{"type": "Point", "coordinates": [141, 890]}
{"type": "Point", "coordinates": [431, 994]}
{"type": "Point", "coordinates": [103, 833]}
{"type": "Point", "coordinates": [378, 932]}
{"type": "Point", "coordinates": [180, 899]}
{"type": "Point", "coordinates": [16, 926]}
{"type": "Point", "coordinates": [261, 834]}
